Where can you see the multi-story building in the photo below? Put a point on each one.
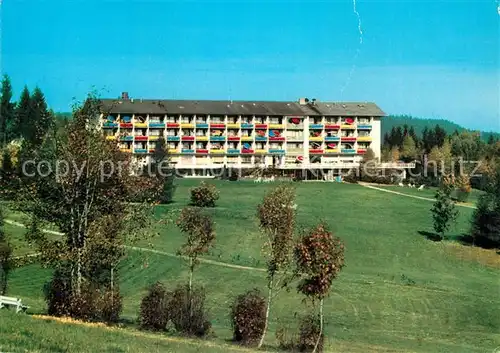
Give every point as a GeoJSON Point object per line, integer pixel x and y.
{"type": "Point", "coordinates": [243, 134]}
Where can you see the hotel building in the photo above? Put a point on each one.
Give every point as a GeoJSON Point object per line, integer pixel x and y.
{"type": "Point", "coordinates": [203, 134]}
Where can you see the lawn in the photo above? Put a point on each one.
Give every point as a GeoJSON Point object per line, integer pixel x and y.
{"type": "Point", "coordinates": [399, 291]}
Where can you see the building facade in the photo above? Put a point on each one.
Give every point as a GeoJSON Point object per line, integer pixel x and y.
{"type": "Point", "coordinates": [245, 134]}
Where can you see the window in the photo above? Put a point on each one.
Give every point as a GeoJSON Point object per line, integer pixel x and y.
{"type": "Point", "coordinates": [216, 119]}
{"type": "Point", "coordinates": [260, 145]}
{"type": "Point", "coordinates": [246, 119]}
{"type": "Point", "coordinates": [246, 160]}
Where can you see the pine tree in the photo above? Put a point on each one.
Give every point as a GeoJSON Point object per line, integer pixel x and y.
{"type": "Point", "coordinates": [41, 120]}
{"type": "Point", "coordinates": [160, 164]}
{"type": "Point", "coordinates": [6, 110]}
{"type": "Point", "coordinates": [22, 126]}
{"type": "Point", "coordinates": [5, 257]}
{"type": "Point", "coordinates": [443, 210]}
{"type": "Point", "coordinates": [408, 150]}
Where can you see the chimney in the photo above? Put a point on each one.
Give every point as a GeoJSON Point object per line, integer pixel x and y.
{"type": "Point", "coordinates": [303, 101]}
{"type": "Point", "coordinates": [125, 95]}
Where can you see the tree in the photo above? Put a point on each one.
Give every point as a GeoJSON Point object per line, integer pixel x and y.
{"type": "Point", "coordinates": [276, 216]}
{"type": "Point", "coordinates": [84, 191]}
{"type": "Point", "coordinates": [319, 257]}
{"type": "Point", "coordinates": [443, 210]}
{"type": "Point", "coordinates": [439, 135]}
{"type": "Point", "coordinates": [486, 218]}
{"type": "Point", "coordinates": [395, 156]}
{"type": "Point", "coordinates": [41, 119]}
{"type": "Point", "coordinates": [409, 149]}
{"type": "Point", "coordinates": [200, 236]}
{"type": "Point", "coordinates": [160, 166]}
{"type": "Point", "coordinates": [367, 165]}
{"type": "Point", "coordinates": [414, 136]}
{"type": "Point", "coordinates": [22, 126]}
{"type": "Point", "coordinates": [6, 110]}
{"type": "Point", "coordinates": [5, 257]}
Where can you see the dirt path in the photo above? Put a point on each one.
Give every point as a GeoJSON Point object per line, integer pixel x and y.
{"type": "Point", "coordinates": [412, 196]}
{"type": "Point", "coordinates": [153, 251]}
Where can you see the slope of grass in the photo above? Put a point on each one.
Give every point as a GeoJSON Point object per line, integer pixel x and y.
{"type": "Point", "coordinates": [398, 292]}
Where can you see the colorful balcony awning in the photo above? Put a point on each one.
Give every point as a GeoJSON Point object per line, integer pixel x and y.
{"type": "Point", "coordinates": [276, 139]}
{"type": "Point", "coordinates": [126, 125]}
{"type": "Point", "coordinates": [316, 151]}
{"type": "Point", "coordinates": [364, 127]}
{"type": "Point", "coordinates": [246, 126]}
{"type": "Point", "coordinates": [187, 150]}
{"type": "Point", "coordinates": [348, 150]}
{"type": "Point", "coordinates": [141, 138]}
{"type": "Point", "coordinates": [217, 138]}
{"type": "Point", "coordinates": [233, 151]}
{"type": "Point", "coordinates": [332, 138]}
{"type": "Point", "coordinates": [156, 125]}
{"type": "Point", "coordinates": [201, 138]}
{"type": "Point", "coordinates": [260, 138]}
{"type": "Point", "coordinates": [247, 151]}
{"type": "Point", "coordinates": [276, 151]}
{"type": "Point", "coordinates": [276, 126]}
{"type": "Point", "coordinates": [187, 138]}
{"type": "Point", "coordinates": [187, 126]}
{"type": "Point", "coordinates": [201, 151]}
{"type": "Point", "coordinates": [233, 138]}
{"type": "Point", "coordinates": [173, 125]}
{"type": "Point", "coordinates": [201, 125]}
{"type": "Point", "coordinates": [246, 138]}
{"type": "Point", "coordinates": [316, 126]}
{"type": "Point", "coordinates": [261, 126]}
{"type": "Point", "coordinates": [141, 125]}
{"type": "Point", "coordinates": [365, 138]}
{"type": "Point", "coordinates": [217, 151]}
{"type": "Point", "coordinates": [154, 138]}
{"type": "Point", "coordinates": [348, 139]}
{"type": "Point", "coordinates": [217, 126]}
{"type": "Point", "coordinates": [173, 138]}
{"type": "Point", "coordinates": [233, 126]}
{"type": "Point", "coordinates": [332, 127]}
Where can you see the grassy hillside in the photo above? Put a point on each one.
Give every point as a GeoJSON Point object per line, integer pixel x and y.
{"type": "Point", "coordinates": [399, 292]}
{"type": "Point", "coordinates": [419, 124]}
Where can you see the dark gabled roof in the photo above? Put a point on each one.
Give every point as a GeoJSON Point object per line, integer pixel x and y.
{"type": "Point", "coordinates": [151, 106]}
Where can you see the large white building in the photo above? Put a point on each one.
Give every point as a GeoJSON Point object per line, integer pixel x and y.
{"type": "Point", "coordinates": [203, 134]}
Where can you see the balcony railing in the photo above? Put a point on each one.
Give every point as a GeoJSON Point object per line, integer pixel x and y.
{"type": "Point", "coordinates": [233, 126]}
{"type": "Point", "coordinates": [156, 125]}
{"type": "Point", "coordinates": [201, 125]}
{"type": "Point", "coordinates": [111, 137]}
{"type": "Point", "coordinates": [316, 126]}
{"type": "Point", "coordinates": [173, 138]}
{"type": "Point", "coordinates": [365, 138]}
{"type": "Point", "coordinates": [187, 125]}
{"type": "Point", "coordinates": [201, 138]}
{"type": "Point", "coordinates": [140, 125]}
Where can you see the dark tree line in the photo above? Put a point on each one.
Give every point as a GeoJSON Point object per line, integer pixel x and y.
{"type": "Point", "coordinates": [29, 118]}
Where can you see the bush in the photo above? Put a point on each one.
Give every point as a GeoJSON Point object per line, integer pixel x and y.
{"type": "Point", "coordinates": [205, 195]}
{"type": "Point", "coordinates": [351, 177]}
{"type": "Point", "coordinates": [187, 312]}
{"type": "Point", "coordinates": [248, 317]}
{"type": "Point", "coordinates": [110, 306]}
{"type": "Point", "coordinates": [486, 220]}
{"type": "Point", "coordinates": [153, 313]}
{"type": "Point", "coordinates": [58, 294]}
{"type": "Point", "coordinates": [308, 334]}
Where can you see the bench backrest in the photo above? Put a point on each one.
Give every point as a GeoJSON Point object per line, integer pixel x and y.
{"type": "Point", "coordinates": [9, 300]}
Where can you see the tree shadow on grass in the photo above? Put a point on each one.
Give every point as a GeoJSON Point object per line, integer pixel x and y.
{"type": "Point", "coordinates": [430, 235]}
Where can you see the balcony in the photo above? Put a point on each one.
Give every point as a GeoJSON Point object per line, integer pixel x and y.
{"type": "Point", "coordinates": [201, 138]}
{"type": "Point", "coordinates": [108, 125]}
{"type": "Point", "coordinates": [332, 138]}
{"type": "Point", "coordinates": [348, 150]}
{"type": "Point", "coordinates": [260, 138]}
{"type": "Point", "coordinates": [173, 125]}
{"type": "Point", "coordinates": [217, 151]}
{"type": "Point", "coordinates": [295, 126]}
{"type": "Point", "coordinates": [233, 126]}
{"type": "Point", "coordinates": [332, 127]}
{"type": "Point", "coordinates": [126, 125]}
{"type": "Point", "coordinates": [201, 125]}
{"type": "Point", "coordinates": [111, 137]}
{"type": "Point", "coordinates": [233, 138]}
{"type": "Point", "coordinates": [316, 126]}
{"type": "Point", "coordinates": [246, 138]}
{"type": "Point", "coordinates": [154, 138]}
{"type": "Point", "coordinates": [217, 126]}
{"type": "Point", "coordinates": [332, 150]}
{"type": "Point", "coordinates": [261, 126]}
{"type": "Point", "coordinates": [348, 127]}
{"type": "Point", "coordinates": [295, 138]}
{"type": "Point", "coordinates": [233, 151]}
{"type": "Point", "coordinates": [348, 139]}
{"type": "Point", "coordinates": [173, 138]}
{"type": "Point", "coordinates": [140, 138]}
{"type": "Point", "coordinates": [217, 138]}
{"type": "Point", "coordinates": [316, 138]}
{"type": "Point", "coordinates": [173, 150]}
{"type": "Point", "coordinates": [141, 125]}
{"type": "Point", "coordinates": [201, 151]}
{"type": "Point", "coordinates": [187, 150]}
{"type": "Point", "coordinates": [187, 126]}
{"type": "Point", "coordinates": [315, 151]}
{"type": "Point", "coordinates": [364, 127]}
{"type": "Point", "coordinates": [246, 126]}
{"type": "Point", "coordinates": [295, 150]}
{"type": "Point", "coordinates": [140, 150]}
{"type": "Point", "coordinates": [156, 125]}
{"type": "Point", "coordinates": [247, 151]}
{"type": "Point", "coordinates": [276, 151]}
{"type": "Point", "coordinates": [277, 138]}
{"type": "Point", "coordinates": [276, 126]}
{"type": "Point", "coordinates": [260, 151]}
{"type": "Point", "coordinates": [127, 138]}
{"type": "Point", "coordinates": [187, 138]}
{"type": "Point", "coordinates": [365, 138]}
{"type": "Point", "coordinates": [126, 150]}
{"type": "Point", "coordinates": [361, 151]}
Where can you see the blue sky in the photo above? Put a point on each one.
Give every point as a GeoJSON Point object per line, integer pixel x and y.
{"type": "Point", "coordinates": [425, 58]}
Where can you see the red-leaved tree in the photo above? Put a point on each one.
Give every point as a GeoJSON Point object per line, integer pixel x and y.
{"type": "Point", "coordinates": [319, 256]}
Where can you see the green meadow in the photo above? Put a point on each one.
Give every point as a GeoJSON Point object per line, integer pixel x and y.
{"type": "Point", "coordinates": [399, 291]}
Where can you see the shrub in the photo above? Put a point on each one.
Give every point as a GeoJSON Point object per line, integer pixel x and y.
{"type": "Point", "coordinates": [110, 306]}
{"type": "Point", "coordinates": [187, 312]}
{"type": "Point", "coordinates": [248, 317]}
{"type": "Point", "coordinates": [153, 313]}
{"type": "Point", "coordinates": [351, 177]}
{"type": "Point", "coordinates": [308, 334]}
{"type": "Point", "coordinates": [486, 217]}
{"type": "Point", "coordinates": [58, 294]}
{"type": "Point", "coordinates": [204, 195]}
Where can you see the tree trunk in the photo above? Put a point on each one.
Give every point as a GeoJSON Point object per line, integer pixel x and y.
{"type": "Point", "coordinates": [191, 270]}
{"type": "Point", "coordinates": [320, 326]}
{"type": "Point", "coordinates": [269, 298]}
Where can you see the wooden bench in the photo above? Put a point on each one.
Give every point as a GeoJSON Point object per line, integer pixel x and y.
{"type": "Point", "coordinates": [6, 302]}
